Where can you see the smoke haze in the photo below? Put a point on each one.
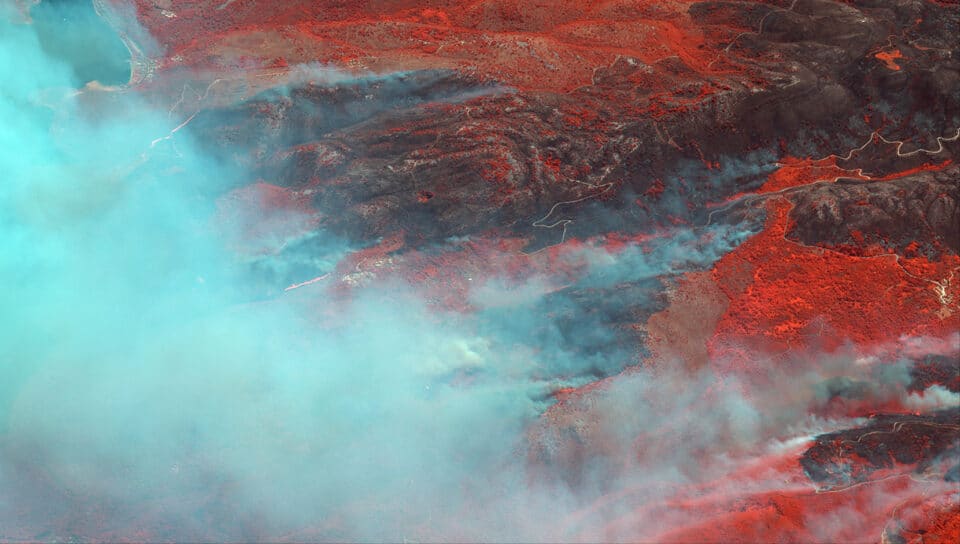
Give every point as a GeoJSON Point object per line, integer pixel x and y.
{"type": "Point", "coordinates": [149, 391]}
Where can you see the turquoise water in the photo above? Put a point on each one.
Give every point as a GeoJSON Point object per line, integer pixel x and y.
{"type": "Point", "coordinates": [71, 31]}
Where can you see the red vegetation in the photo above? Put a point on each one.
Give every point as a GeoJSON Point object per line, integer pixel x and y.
{"type": "Point", "coordinates": [784, 295]}
{"type": "Point", "coordinates": [931, 521]}
{"type": "Point", "coordinates": [925, 167]}
{"type": "Point", "coordinates": [656, 189]}
{"type": "Point", "coordinates": [553, 45]}
{"type": "Point", "coordinates": [858, 514]}
{"type": "Point", "coordinates": [794, 172]}
{"type": "Point", "coordinates": [889, 58]}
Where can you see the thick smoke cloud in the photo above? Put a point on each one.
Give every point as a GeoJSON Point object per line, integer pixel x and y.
{"type": "Point", "coordinates": [134, 374]}
{"type": "Point", "coordinates": [145, 394]}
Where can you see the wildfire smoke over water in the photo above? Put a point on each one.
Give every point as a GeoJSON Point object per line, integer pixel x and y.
{"type": "Point", "coordinates": [340, 288]}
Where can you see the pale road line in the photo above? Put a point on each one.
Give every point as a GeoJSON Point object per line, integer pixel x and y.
{"type": "Point", "coordinates": [200, 100]}
{"type": "Point", "coordinates": [875, 134]}
{"type": "Point", "coordinates": [188, 119]}
{"type": "Point", "coordinates": [308, 282]}
{"type": "Point", "coordinates": [749, 198]}
{"type": "Point", "coordinates": [858, 484]}
{"type": "Point", "coordinates": [896, 427]}
{"type": "Point", "coordinates": [899, 425]}
{"type": "Point", "coordinates": [183, 96]}
{"type": "Point", "coordinates": [538, 222]}
{"type": "Point", "coordinates": [940, 287]}
{"type": "Point", "coordinates": [566, 222]}
{"type": "Point", "coordinates": [900, 143]}
{"type": "Point", "coordinates": [940, 141]}
{"type": "Point", "coordinates": [859, 171]}
{"type": "Point", "coordinates": [763, 196]}
{"type": "Point", "coordinates": [604, 187]}
{"type": "Point", "coordinates": [758, 32]}
{"type": "Point", "coordinates": [669, 141]}
{"type": "Point", "coordinates": [172, 132]}
{"type": "Point", "coordinates": [924, 495]}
